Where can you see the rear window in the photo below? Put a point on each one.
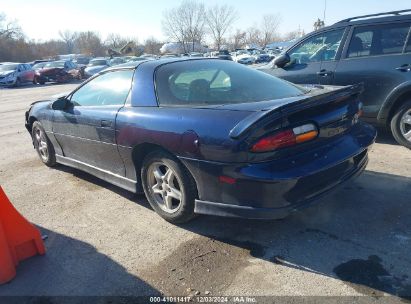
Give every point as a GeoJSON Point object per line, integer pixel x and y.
{"type": "Point", "coordinates": [214, 82]}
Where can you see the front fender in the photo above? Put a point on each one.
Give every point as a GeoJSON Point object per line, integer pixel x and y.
{"type": "Point", "coordinates": [389, 102]}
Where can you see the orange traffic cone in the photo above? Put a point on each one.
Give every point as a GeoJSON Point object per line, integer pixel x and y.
{"type": "Point", "coordinates": [19, 239]}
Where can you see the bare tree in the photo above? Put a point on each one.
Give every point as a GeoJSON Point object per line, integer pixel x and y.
{"type": "Point", "coordinates": [185, 24]}
{"type": "Point", "coordinates": [293, 35]}
{"type": "Point", "coordinates": [152, 46]}
{"type": "Point", "coordinates": [219, 19]}
{"type": "Point", "coordinates": [269, 27]}
{"type": "Point", "coordinates": [89, 43]}
{"type": "Point", "coordinates": [114, 40]}
{"type": "Point", "coordinates": [253, 36]}
{"type": "Point", "coordinates": [238, 39]}
{"type": "Point", "coordinates": [9, 29]}
{"type": "Point", "coordinates": [69, 38]}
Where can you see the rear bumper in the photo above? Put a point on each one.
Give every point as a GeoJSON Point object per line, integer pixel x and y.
{"type": "Point", "coordinates": [273, 189]}
{"type": "Point", "coordinates": [219, 209]}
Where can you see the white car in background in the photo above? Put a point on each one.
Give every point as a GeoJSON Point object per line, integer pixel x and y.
{"type": "Point", "coordinates": [14, 74]}
{"type": "Point", "coordinates": [244, 57]}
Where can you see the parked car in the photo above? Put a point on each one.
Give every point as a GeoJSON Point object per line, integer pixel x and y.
{"type": "Point", "coordinates": [196, 54]}
{"type": "Point", "coordinates": [374, 50]}
{"type": "Point", "coordinates": [140, 59]}
{"type": "Point", "coordinates": [32, 63]}
{"type": "Point", "coordinates": [261, 56]}
{"type": "Point", "coordinates": [206, 136]}
{"type": "Point", "coordinates": [244, 57]}
{"type": "Point", "coordinates": [82, 61]}
{"type": "Point", "coordinates": [39, 66]}
{"type": "Point", "coordinates": [95, 66]}
{"type": "Point", "coordinates": [15, 74]}
{"type": "Point", "coordinates": [117, 60]}
{"type": "Point", "coordinates": [170, 55]}
{"type": "Point", "coordinates": [224, 55]}
{"type": "Point", "coordinates": [58, 71]}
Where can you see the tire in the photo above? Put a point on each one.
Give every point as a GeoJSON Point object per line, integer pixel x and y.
{"type": "Point", "coordinates": [42, 144]}
{"type": "Point", "coordinates": [169, 187]}
{"type": "Point", "coordinates": [401, 125]}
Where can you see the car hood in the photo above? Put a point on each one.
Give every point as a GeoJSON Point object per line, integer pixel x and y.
{"type": "Point", "coordinates": [5, 73]}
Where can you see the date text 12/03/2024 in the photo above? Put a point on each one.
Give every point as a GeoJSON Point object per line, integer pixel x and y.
{"type": "Point", "coordinates": [204, 299]}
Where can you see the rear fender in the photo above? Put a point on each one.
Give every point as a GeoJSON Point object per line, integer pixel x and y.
{"type": "Point", "coordinates": [392, 98]}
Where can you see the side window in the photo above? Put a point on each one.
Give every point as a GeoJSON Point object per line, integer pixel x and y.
{"type": "Point", "coordinates": [21, 67]}
{"type": "Point", "coordinates": [378, 40]}
{"type": "Point", "coordinates": [321, 47]}
{"type": "Point", "coordinates": [221, 82]}
{"type": "Point", "coordinates": [108, 89]}
{"type": "Point", "coordinates": [187, 84]}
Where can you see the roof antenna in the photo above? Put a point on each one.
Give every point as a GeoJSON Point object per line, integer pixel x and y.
{"type": "Point", "coordinates": [325, 10]}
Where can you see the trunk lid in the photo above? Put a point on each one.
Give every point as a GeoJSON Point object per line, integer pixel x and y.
{"type": "Point", "coordinates": [332, 109]}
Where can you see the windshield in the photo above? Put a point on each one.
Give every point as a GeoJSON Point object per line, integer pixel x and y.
{"type": "Point", "coordinates": [8, 67]}
{"type": "Point", "coordinates": [97, 62]}
{"type": "Point", "coordinates": [55, 64]}
{"type": "Point", "coordinates": [216, 82]}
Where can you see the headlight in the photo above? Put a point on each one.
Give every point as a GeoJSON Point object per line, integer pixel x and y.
{"type": "Point", "coordinates": [10, 76]}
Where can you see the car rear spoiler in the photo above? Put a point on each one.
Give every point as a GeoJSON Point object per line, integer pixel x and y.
{"type": "Point", "coordinates": [291, 105]}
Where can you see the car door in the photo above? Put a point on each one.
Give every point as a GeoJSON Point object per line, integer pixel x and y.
{"type": "Point", "coordinates": [375, 55]}
{"type": "Point", "coordinates": [21, 73]}
{"type": "Point", "coordinates": [29, 73]}
{"type": "Point", "coordinates": [85, 130]}
{"type": "Point", "coordinates": [308, 56]}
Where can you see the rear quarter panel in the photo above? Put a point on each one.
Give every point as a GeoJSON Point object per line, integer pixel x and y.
{"type": "Point", "coordinates": [187, 133]}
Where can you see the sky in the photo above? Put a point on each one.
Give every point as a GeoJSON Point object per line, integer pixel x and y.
{"type": "Point", "coordinates": [42, 19]}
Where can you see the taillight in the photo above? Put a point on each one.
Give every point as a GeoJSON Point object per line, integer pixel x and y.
{"type": "Point", "coordinates": [286, 138]}
{"type": "Point", "coordinates": [360, 110]}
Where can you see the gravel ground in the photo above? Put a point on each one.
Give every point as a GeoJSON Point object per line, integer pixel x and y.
{"type": "Point", "coordinates": [103, 240]}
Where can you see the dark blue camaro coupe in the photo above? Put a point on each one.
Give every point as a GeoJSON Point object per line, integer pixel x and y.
{"type": "Point", "coordinates": [206, 136]}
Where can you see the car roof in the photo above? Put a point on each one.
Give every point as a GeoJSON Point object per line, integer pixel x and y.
{"type": "Point", "coordinates": [403, 15]}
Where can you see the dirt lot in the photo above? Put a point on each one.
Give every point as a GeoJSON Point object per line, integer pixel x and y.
{"type": "Point", "coordinates": [103, 240]}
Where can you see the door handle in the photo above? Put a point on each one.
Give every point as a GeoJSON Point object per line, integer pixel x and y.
{"type": "Point", "coordinates": [106, 123]}
{"type": "Point", "coordinates": [324, 73]}
{"type": "Point", "coordinates": [404, 68]}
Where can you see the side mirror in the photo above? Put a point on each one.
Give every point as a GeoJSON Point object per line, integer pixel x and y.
{"type": "Point", "coordinates": [282, 60]}
{"type": "Point", "coordinates": [60, 104]}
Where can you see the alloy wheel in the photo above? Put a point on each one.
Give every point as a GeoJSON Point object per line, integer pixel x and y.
{"type": "Point", "coordinates": [405, 125]}
{"type": "Point", "coordinates": [41, 143]}
{"type": "Point", "coordinates": [165, 186]}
